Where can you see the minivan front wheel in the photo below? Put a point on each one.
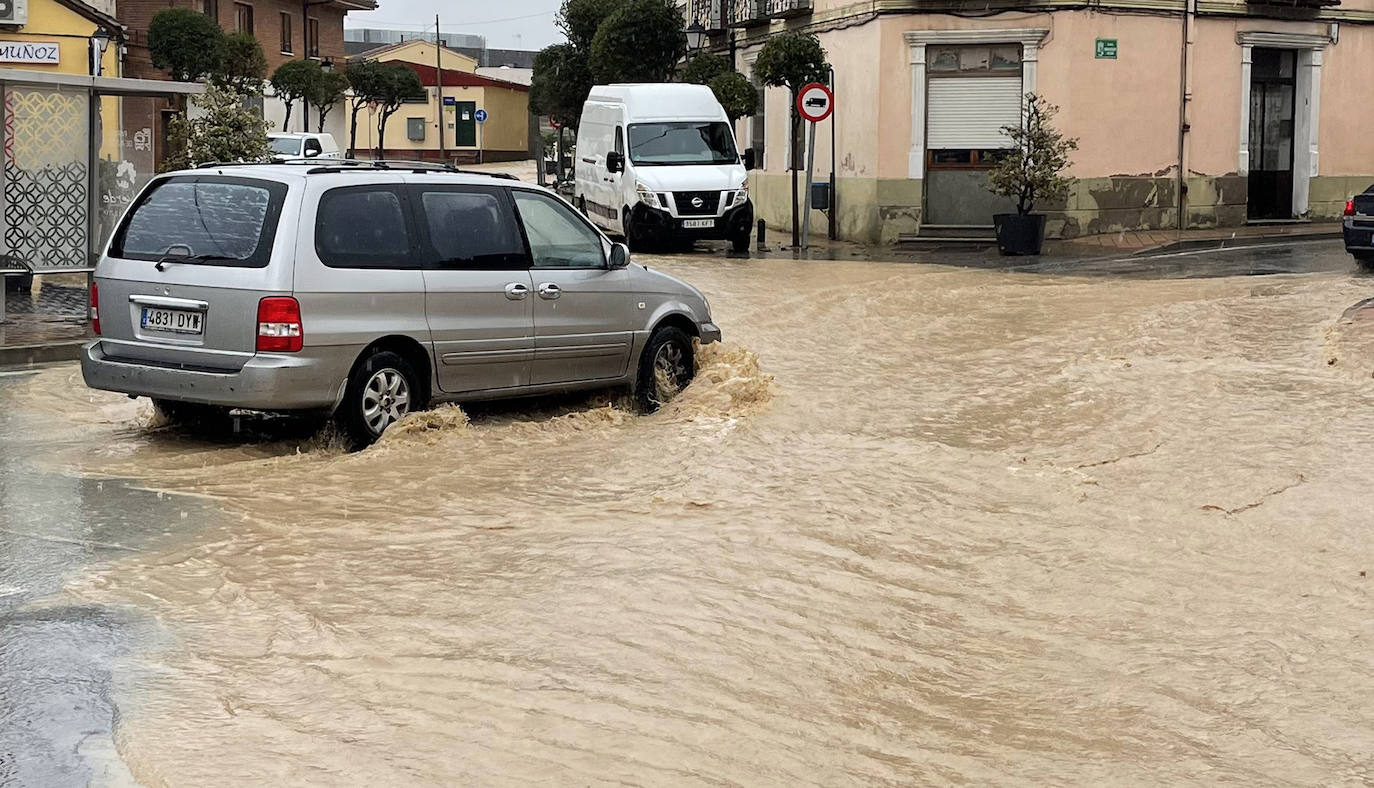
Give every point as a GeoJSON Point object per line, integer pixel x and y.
{"type": "Point", "coordinates": [381, 391]}
{"type": "Point", "coordinates": [665, 368]}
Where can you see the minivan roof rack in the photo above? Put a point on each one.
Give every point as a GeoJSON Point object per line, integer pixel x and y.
{"type": "Point", "coordinates": [319, 166]}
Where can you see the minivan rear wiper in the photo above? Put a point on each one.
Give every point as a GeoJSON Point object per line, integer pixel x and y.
{"type": "Point", "coordinates": [192, 260]}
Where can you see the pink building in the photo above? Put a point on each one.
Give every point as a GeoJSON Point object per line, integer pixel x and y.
{"type": "Point", "coordinates": [1199, 112]}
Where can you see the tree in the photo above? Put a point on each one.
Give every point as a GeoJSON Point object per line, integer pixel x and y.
{"type": "Point", "coordinates": [327, 92]}
{"type": "Point", "coordinates": [736, 94]}
{"type": "Point", "coordinates": [186, 43]}
{"type": "Point", "coordinates": [580, 19]}
{"type": "Point", "coordinates": [242, 66]}
{"type": "Point", "coordinates": [295, 81]}
{"type": "Point", "coordinates": [793, 61]}
{"type": "Point", "coordinates": [640, 42]}
{"type": "Point", "coordinates": [398, 83]}
{"type": "Point", "coordinates": [224, 130]}
{"type": "Point", "coordinates": [560, 84]}
{"type": "Point", "coordinates": [1031, 170]}
{"type": "Point", "coordinates": [365, 78]}
{"type": "Point", "coordinates": [701, 69]}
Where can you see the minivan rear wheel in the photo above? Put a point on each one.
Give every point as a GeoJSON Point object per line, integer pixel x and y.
{"type": "Point", "coordinates": [381, 391]}
{"type": "Point", "coordinates": [665, 368]}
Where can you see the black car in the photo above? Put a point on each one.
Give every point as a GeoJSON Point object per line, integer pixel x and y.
{"type": "Point", "coordinates": [1359, 228]}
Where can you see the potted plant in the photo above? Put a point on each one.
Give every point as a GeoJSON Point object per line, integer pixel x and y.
{"type": "Point", "coordinates": [1030, 172]}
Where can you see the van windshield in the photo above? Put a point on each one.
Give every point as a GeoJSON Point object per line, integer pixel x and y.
{"type": "Point", "coordinates": [203, 221]}
{"type": "Point", "coordinates": [285, 146]}
{"type": "Point", "coordinates": [682, 142]}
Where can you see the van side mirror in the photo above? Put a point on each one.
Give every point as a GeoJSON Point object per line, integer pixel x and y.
{"type": "Point", "coordinates": [749, 162]}
{"type": "Point", "coordinates": [620, 256]}
{"type": "Point", "coordinates": [311, 153]}
{"type": "Point", "coordinates": [615, 161]}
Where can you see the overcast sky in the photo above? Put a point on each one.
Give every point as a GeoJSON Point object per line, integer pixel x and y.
{"type": "Point", "coordinates": [508, 24]}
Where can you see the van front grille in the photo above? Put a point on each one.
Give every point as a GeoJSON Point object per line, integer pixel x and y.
{"type": "Point", "coordinates": [687, 203]}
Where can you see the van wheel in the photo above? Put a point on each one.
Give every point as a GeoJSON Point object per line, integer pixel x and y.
{"type": "Point", "coordinates": [582, 206]}
{"type": "Point", "coordinates": [18, 284]}
{"type": "Point", "coordinates": [740, 243]}
{"type": "Point", "coordinates": [634, 237]}
{"type": "Point", "coordinates": [381, 391]}
{"type": "Point", "coordinates": [1365, 260]}
{"type": "Point", "coordinates": [665, 368]}
{"type": "Point", "coordinates": [190, 414]}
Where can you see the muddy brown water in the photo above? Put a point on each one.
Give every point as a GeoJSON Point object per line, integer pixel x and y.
{"type": "Point", "coordinates": [911, 526]}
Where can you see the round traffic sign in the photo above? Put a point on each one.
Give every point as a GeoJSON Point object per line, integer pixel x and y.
{"type": "Point", "coordinates": [815, 102]}
{"type": "Point", "coordinates": [555, 124]}
{"type": "Point", "coordinates": [481, 116]}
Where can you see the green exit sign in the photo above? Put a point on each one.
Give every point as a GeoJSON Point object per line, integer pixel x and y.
{"type": "Point", "coordinates": [1106, 49]}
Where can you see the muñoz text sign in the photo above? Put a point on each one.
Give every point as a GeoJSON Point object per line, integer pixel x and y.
{"type": "Point", "coordinates": [36, 52]}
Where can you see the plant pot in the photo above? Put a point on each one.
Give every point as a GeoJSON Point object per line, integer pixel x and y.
{"type": "Point", "coordinates": [1019, 234]}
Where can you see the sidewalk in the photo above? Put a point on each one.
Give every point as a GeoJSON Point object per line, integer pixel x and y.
{"type": "Point", "coordinates": [1163, 241]}
{"type": "Point", "coordinates": [47, 324]}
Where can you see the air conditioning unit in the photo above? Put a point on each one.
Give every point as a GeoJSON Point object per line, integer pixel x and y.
{"type": "Point", "coordinates": [14, 12]}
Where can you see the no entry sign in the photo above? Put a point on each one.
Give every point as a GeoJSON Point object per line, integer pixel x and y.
{"type": "Point", "coordinates": [815, 102]}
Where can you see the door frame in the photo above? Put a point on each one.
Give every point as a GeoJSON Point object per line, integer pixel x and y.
{"type": "Point", "coordinates": [1275, 197]}
{"type": "Point", "coordinates": [1306, 101]}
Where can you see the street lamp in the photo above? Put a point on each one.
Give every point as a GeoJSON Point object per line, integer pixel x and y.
{"type": "Point", "coordinates": [100, 41]}
{"type": "Point", "coordinates": [696, 36]}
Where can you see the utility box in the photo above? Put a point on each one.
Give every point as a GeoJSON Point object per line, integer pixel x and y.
{"type": "Point", "coordinates": [820, 196]}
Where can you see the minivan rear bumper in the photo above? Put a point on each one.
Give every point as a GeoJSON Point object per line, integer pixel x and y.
{"type": "Point", "coordinates": [266, 382]}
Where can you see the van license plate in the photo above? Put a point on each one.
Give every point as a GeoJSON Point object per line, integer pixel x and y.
{"type": "Point", "coordinates": [178, 321]}
{"type": "Point", "coordinates": [697, 224]}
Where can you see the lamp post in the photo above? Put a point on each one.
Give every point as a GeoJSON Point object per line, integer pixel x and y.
{"type": "Point", "coordinates": [696, 36]}
{"type": "Point", "coordinates": [100, 41]}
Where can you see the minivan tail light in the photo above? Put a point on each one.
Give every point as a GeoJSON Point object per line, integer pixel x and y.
{"type": "Point", "coordinates": [279, 325]}
{"type": "Point", "coordinates": [95, 309]}
{"type": "Point", "coordinates": [1349, 208]}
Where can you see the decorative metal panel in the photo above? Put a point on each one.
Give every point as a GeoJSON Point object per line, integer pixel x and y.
{"type": "Point", "coordinates": [710, 13]}
{"type": "Point", "coordinates": [784, 9]}
{"type": "Point", "coordinates": [46, 178]}
{"type": "Point", "coordinates": [745, 13]}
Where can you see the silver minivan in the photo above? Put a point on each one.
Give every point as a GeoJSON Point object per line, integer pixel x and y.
{"type": "Point", "coordinates": [368, 290]}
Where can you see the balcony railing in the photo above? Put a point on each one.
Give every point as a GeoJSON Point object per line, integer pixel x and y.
{"type": "Point", "coordinates": [786, 9]}
{"type": "Point", "coordinates": [746, 13]}
{"type": "Point", "coordinates": [708, 13]}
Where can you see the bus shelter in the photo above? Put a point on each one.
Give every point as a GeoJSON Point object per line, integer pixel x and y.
{"type": "Point", "coordinates": [76, 150]}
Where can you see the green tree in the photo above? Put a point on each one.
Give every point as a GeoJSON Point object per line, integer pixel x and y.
{"type": "Point", "coordinates": [793, 61]}
{"type": "Point", "coordinates": [580, 19]}
{"type": "Point", "coordinates": [328, 91]}
{"type": "Point", "coordinates": [641, 42]}
{"type": "Point", "coordinates": [701, 69]}
{"type": "Point", "coordinates": [1032, 169]}
{"type": "Point", "coordinates": [560, 84]}
{"type": "Point", "coordinates": [295, 81]}
{"type": "Point", "coordinates": [736, 94]}
{"type": "Point", "coordinates": [398, 84]}
{"type": "Point", "coordinates": [242, 67]}
{"type": "Point", "coordinates": [366, 78]}
{"type": "Point", "coordinates": [224, 130]}
{"type": "Point", "coordinates": [185, 43]}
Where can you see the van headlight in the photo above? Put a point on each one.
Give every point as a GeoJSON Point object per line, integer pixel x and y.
{"type": "Point", "coordinates": [648, 196]}
{"type": "Point", "coordinates": [741, 196]}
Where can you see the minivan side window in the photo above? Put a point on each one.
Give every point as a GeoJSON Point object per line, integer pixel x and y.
{"type": "Point", "coordinates": [363, 227]}
{"type": "Point", "coordinates": [470, 228]}
{"type": "Point", "coordinates": [558, 236]}
{"type": "Point", "coordinates": [205, 220]}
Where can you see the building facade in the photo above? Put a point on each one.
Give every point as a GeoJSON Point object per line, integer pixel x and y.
{"type": "Point", "coordinates": [444, 124]}
{"type": "Point", "coordinates": [1195, 113]}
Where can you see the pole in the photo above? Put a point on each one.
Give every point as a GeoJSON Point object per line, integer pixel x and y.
{"type": "Point", "coordinates": [439, 79]}
{"type": "Point", "coordinates": [479, 142]}
{"type": "Point", "coordinates": [810, 178]}
{"type": "Point", "coordinates": [792, 144]}
{"type": "Point", "coordinates": [830, 209]}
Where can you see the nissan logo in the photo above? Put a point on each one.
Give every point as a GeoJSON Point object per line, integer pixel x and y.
{"type": "Point", "coordinates": [697, 202]}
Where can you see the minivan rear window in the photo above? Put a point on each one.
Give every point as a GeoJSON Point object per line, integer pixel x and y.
{"type": "Point", "coordinates": [203, 220]}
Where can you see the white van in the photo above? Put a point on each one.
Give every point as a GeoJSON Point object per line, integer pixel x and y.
{"type": "Point", "coordinates": [659, 163]}
{"type": "Point", "coordinates": [300, 145]}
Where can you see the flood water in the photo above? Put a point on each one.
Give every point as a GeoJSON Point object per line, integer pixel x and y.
{"type": "Point", "coordinates": [912, 525]}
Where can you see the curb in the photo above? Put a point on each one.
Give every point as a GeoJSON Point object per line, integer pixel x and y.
{"type": "Point", "coordinates": [1204, 244]}
{"type": "Point", "coordinates": [28, 355]}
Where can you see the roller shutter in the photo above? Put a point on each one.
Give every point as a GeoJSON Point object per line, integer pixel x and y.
{"type": "Point", "coordinates": [968, 113]}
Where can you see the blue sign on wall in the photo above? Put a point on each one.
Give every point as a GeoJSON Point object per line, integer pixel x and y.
{"type": "Point", "coordinates": [450, 101]}
{"type": "Point", "coordinates": [481, 116]}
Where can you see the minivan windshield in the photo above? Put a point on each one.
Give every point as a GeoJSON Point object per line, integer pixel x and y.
{"type": "Point", "coordinates": [203, 220]}
{"type": "Point", "coordinates": [285, 146]}
{"type": "Point", "coordinates": [682, 142]}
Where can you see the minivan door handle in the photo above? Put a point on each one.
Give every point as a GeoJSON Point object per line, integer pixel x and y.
{"type": "Point", "coordinates": [549, 291]}
{"type": "Point", "coordinates": [516, 291]}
